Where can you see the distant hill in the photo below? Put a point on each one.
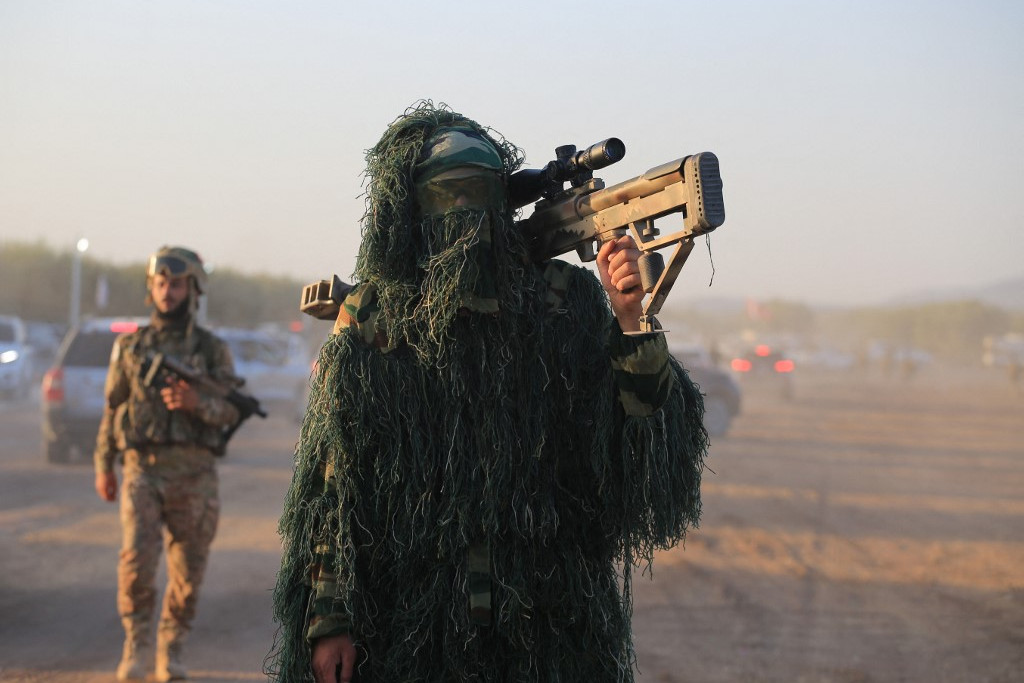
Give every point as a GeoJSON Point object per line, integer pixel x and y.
{"type": "Point", "coordinates": [1005, 294]}
{"type": "Point", "coordinates": [1008, 294]}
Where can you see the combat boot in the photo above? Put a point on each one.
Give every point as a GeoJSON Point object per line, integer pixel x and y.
{"type": "Point", "coordinates": [170, 651]}
{"type": "Point", "coordinates": [137, 654]}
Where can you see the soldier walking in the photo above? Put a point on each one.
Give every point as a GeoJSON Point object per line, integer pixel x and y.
{"type": "Point", "coordinates": [167, 437]}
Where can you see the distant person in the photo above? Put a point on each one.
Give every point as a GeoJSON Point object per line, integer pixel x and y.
{"type": "Point", "coordinates": [167, 438]}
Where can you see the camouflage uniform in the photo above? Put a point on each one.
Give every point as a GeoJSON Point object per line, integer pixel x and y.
{"type": "Point", "coordinates": [169, 492]}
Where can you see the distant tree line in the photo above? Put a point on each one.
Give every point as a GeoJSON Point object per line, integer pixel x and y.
{"type": "Point", "coordinates": [35, 283]}
{"type": "Point", "coordinates": [952, 330]}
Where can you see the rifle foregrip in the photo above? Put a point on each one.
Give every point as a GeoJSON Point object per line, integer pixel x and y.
{"type": "Point", "coordinates": [651, 265]}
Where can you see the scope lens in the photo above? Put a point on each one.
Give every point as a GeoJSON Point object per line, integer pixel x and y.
{"type": "Point", "coordinates": [601, 154]}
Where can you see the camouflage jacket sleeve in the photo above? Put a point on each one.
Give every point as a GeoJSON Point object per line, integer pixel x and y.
{"type": "Point", "coordinates": [325, 615]}
{"type": "Point", "coordinates": [116, 393]}
{"type": "Point", "coordinates": [642, 373]}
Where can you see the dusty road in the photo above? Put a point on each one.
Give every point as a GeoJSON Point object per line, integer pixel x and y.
{"type": "Point", "coordinates": [58, 552]}
{"type": "Point", "coordinates": [869, 530]}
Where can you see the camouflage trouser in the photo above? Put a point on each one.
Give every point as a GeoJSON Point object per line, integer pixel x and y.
{"type": "Point", "coordinates": [168, 499]}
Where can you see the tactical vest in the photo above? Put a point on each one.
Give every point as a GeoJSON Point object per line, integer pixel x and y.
{"type": "Point", "coordinates": [143, 421]}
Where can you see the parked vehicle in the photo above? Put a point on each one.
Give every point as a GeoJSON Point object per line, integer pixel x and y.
{"type": "Point", "coordinates": [15, 358]}
{"type": "Point", "coordinates": [71, 396]}
{"type": "Point", "coordinates": [45, 339]}
{"type": "Point", "coordinates": [1003, 350]}
{"type": "Point", "coordinates": [764, 363]}
{"type": "Point", "coordinates": [276, 367]}
{"type": "Point", "coordinates": [722, 395]}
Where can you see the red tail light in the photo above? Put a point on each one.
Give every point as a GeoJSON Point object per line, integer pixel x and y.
{"type": "Point", "coordinates": [763, 350]}
{"type": "Point", "coordinates": [784, 366]}
{"type": "Point", "coordinates": [740, 365]}
{"type": "Point", "coordinates": [123, 326]}
{"type": "Point", "coordinates": [53, 386]}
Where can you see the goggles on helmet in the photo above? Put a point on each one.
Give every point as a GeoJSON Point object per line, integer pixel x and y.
{"type": "Point", "coordinates": [169, 266]}
{"type": "Point", "coordinates": [475, 189]}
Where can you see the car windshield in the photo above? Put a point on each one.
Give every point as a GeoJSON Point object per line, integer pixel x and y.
{"type": "Point", "coordinates": [264, 351]}
{"type": "Point", "coordinates": [6, 332]}
{"type": "Point", "coordinates": [90, 349]}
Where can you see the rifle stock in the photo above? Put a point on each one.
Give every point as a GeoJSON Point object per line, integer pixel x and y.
{"type": "Point", "coordinates": [323, 299]}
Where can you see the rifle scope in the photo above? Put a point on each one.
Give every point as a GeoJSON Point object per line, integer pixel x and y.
{"type": "Point", "coordinates": [570, 164]}
{"type": "Point", "coordinates": [530, 184]}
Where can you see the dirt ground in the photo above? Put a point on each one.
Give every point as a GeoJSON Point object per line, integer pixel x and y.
{"type": "Point", "coordinates": [869, 529]}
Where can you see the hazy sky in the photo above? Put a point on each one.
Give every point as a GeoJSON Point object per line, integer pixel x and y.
{"type": "Point", "coordinates": [868, 149]}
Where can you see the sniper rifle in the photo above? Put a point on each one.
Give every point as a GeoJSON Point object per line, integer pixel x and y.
{"type": "Point", "coordinates": [588, 214]}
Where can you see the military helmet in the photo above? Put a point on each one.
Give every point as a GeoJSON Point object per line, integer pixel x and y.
{"type": "Point", "coordinates": [458, 167]}
{"type": "Point", "coordinates": [175, 262]}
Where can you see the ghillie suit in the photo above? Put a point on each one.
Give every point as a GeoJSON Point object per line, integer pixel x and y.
{"type": "Point", "coordinates": [484, 460]}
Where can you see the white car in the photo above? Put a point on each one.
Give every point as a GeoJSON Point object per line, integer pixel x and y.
{"type": "Point", "coordinates": [72, 391]}
{"type": "Point", "coordinates": [15, 358]}
{"type": "Point", "coordinates": [276, 367]}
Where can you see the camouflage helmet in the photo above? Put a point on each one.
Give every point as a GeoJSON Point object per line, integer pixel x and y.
{"type": "Point", "coordinates": [451, 148]}
{"type": "Point", "coordinates": [175, 262]}
{"type": "Point", "coordinates": [458, 168]}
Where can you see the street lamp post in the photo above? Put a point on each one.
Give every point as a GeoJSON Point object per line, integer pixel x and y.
{"type": "Point", "coordinates": [76, 280]}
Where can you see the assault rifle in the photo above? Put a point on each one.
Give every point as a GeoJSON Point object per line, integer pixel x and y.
{"type": "Point", "coordinates": [588, 213]}
{"type": "Point", "coordinates": [158, 367]}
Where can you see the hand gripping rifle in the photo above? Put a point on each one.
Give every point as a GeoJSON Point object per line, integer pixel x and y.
{"type": "Point", "coordinates": [588, 213]}
{"type": "Point", "coordinates": [157, 367]}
